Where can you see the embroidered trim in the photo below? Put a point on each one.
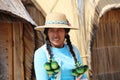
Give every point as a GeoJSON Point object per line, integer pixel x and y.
{"type": "Point", "coordinates": [56, 22]}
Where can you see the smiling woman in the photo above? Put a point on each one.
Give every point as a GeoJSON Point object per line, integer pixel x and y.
{"type": "Point", "coordinates": [52, 59]}
{"type": "Point", "coordinates": [56, 36]}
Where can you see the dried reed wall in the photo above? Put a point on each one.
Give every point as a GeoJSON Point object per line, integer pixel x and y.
{"type": "Point", "coordinates": [105, 54]}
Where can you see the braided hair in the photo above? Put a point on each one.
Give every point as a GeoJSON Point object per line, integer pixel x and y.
{"type": "Point", "coordinates": [67, 40]}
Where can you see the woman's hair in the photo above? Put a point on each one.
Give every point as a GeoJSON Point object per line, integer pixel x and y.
{"type": "Point", "coordinates": [67, 40]}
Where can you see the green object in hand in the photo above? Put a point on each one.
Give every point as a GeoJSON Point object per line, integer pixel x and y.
{"type": "Point", "coordinates": [74, 73]}
{"type": "Point", "coordinates": [50, 72]}
{"type": "Point", "coordinates": [54, 65]}
{"type": "Point", "coordinates": [80, 69]}
{"type": "Point", "coordinates": [57, 70]}
{"type": "Point", "coordinates": [47, 66]}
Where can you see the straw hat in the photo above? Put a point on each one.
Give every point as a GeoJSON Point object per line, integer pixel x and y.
{"type": "Point", "coordinates": [55, 20]}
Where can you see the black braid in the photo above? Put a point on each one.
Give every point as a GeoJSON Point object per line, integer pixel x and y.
{"type": "Point", "coordinates": [48, 44]}
{"type": "Point", "coordinates": [70, 47]}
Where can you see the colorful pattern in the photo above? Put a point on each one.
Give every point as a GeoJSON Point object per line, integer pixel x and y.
{"type": "Point", "coordinates": [56, 22]}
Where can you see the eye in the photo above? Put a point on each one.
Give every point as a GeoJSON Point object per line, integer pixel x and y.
{"type": "Point", "coordinates": [61, 30]}
{"type": "Point", "coordinates": [51, 30]}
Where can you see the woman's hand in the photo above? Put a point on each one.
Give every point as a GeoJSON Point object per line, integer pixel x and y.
{"type": "Point", "coordinates": [79, 78]}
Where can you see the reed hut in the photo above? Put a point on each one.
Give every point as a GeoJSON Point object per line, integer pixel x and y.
{"type": "Point", "coordinates": [101, 33]}
{"type": "Point", "coordinates": [18, 39]}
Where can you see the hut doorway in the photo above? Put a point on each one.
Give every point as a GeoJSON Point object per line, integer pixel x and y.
{"type": "Point", "coordinates": [12, 51]}
{"type": "Point", "coordinates": [106, 47]}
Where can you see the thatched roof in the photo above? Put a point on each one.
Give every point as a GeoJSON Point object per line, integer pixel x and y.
{"type": "Point", "coordinates": [15, 8]}
{"type": "Point", "coordinates": [104, 6]}
{"type": "Point", "coordinates": [99, 8]}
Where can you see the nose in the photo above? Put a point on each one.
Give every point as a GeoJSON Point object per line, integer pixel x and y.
{"type": "Point", "coordinates": [55, 33]}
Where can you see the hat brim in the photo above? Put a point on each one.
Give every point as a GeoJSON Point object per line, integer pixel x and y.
{"type": "Point", "coordinates": [55, 26]}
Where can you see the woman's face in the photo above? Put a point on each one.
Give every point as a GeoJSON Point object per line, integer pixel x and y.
{"type": "Point", "coordinates": [56, 36]}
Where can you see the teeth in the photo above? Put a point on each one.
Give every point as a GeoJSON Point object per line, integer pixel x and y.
{"type": "Point", "coordinates": [56, 39]}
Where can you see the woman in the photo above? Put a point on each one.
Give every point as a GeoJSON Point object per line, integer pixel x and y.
{"type": "Point", "coordinates": [57, 49]}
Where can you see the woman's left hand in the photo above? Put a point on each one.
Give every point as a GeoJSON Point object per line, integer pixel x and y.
{"type": "Point", "coordinates": [79, 78]}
